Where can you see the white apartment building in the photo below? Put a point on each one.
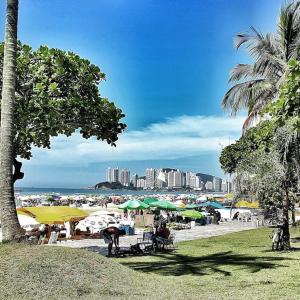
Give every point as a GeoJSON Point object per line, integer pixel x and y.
{"type": "Point", "coordinates": [188, 179]}
{"type": "Point", "coordinates": [150, 178]}
{"type": "Point", "coordinates": [141, 183]}
{"type": "Point", "coordinates": [124, 177]}
{"type": "Point", "coordinates": [175, 179]}
{"type": "Point", "coordinates": [226, 186]}
{"type": "Point", "coordinates": [217, 184]}
{"type": "Point", "coordinates": [134, 180]}
{"type": "Point", "coordinates": [160, 179]}
{"type": "Point", "coordinates": [209, 185]}
{"type": "Point", "coordinates": [112, 174]}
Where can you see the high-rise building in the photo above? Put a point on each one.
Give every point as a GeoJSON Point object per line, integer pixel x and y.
{"type": "Point", "coordinates": [160, 179]}
{"type": "Point", "coordinates": [175, 179]}
{"type": "Point", "coordinates": [112, 174]}
{"type": "Point", "coordinates": [217, 184]}
{"type": "Point", "coordinates": [141, 183]}
{"type": "Point", "coordinates": [134, 179]}
{"type": "Point", "coordinates": [150, 178]}
{"type": "Point", "coordinates": [209, 185]}
{"type": "Point", "coordinates": [124, 177]}
{"type": "Point", "coordinates": [226, 186]}
{"type": "Point", "coordinates": [188, 179]}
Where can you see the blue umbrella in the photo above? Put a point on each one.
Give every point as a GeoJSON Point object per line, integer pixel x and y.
{"type": "Point", "coordinates": [212, 204]}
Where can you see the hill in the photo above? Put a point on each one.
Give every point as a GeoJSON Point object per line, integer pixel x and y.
{"type": "Point", "coordinates": [110, 185]}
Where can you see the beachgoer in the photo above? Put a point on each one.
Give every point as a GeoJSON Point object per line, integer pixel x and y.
{"type": "Point", "coordinates": [132, 215]}
{"type": "Point", "coordinates": [163, 231]}
{"type": "Point", "coordinates": [111, 236]}
{"type": "Point", "coordinates": [235, 216]}
{"type": "Point", "coordinates": [162, 234]}
{"type": "Point", "coordinates": [218, 217]}
{"type": "Point", "coordinates": [125, 213]}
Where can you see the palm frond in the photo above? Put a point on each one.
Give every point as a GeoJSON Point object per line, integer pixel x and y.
{"type": "Point", "coordinates": [288, 29]}
{"type": "Point", "coordinates": [241, 71]}
{"type": "Point", "coordinates": [242, 94]}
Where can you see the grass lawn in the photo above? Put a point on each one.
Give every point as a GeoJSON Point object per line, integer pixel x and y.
{"type": "Point", "coordinates": [234, 266]}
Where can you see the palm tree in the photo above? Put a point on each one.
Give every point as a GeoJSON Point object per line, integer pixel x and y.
{"type": "Point", "coordinates": [257, 84]}
{"type": "Point", "coordinates": [9, 221]}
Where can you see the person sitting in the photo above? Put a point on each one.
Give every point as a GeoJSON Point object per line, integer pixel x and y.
{"type": "Point", "coordinates": [111, 236]}
{"type": "Point", "coordinates": [161, 235]}
{"type": "Point", "coordinates": [217, 216]}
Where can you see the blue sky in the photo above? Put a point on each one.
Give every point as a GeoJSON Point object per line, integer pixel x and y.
{"type": "Point", "coordinates": [167, 65]}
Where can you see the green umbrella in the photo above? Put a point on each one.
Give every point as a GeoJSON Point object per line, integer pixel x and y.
{"type": "Point", "coordinates": [133, 204]}
{"type": "Point", "coordinates": [193, 214]}
{"type": "Point", "coordinates": [150, 200]}
{"type": "Point", "coordinates": [191, 206]}
{"type": "Point", "coordinates": [163, 205]}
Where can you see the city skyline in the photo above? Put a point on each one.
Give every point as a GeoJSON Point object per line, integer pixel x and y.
{"type": "Point", "coordinates": [167, 178]}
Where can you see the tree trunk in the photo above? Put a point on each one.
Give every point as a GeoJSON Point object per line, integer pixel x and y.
{"type": "Point", "coordinates": [9, 221]}
{"type": "Point", "coordinates": [285, 227]}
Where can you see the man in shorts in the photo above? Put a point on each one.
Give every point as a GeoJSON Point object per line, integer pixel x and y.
{"type": "Point", "coordinates": [111, 236]}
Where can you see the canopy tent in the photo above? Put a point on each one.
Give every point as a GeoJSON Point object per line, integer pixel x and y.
{"type": "Point", "coordinates": [163, 205]}
{"type": "Point", "coordinates": [53, 214]}
{"type": "Point", "coordinates": [133, 204]}
{"type": "Point", "coordinates": [149, 200]}
{"type": "Point", "coordinates": [193, 214]}
{"type": "Point", "coordinates": [212, 204]}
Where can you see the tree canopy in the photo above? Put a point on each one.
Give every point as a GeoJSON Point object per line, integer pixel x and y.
{"type": "Point", "coordinates": [57, 93]}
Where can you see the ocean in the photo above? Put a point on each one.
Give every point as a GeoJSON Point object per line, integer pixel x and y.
{"type": "Point", "coordinates": [68, 191]}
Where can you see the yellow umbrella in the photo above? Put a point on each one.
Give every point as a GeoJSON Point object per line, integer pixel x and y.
{"type": "Point", "coordinates": [179, 204]}
{"type": "Point", "coordinates": [53, 214]}
{"type": "Point", "coordinates": [244, 203]}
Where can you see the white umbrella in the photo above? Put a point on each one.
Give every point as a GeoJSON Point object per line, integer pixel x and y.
{"type": "Point", "coordinates": [100, 213]}
{"type": "Point", "coordinates": [27, 222]}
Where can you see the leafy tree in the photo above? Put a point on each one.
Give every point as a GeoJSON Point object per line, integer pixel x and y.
{"type": "Point", "coordinates": [259, 137]}
{"type": "Point", "coordinates": [255, 85]}
{"type": "Point", "coordinates": [264, 163]}
{"type": "Point", "coordinates": [9, 222]}
{"type": "Point", "coordinates": [57, 93]}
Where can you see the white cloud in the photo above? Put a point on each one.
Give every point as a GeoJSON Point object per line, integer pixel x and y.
{"type": "Point", "coordinates": [178, 137]}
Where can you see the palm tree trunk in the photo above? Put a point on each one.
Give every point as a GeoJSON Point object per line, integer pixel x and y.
{"type": "Point", "coordinates": [9, 221]}
{"type": "Point", "coordinates": [285, 226]}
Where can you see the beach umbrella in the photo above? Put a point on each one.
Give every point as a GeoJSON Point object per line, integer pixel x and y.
{"type": "Point", "coordinates": [100, 213]}
{"type": "Point", "coordinates": [202, 198]}
{"type": "Point", "coordinates": [212, 204]}
{"type": "Point", "coordinates": [179, 204]}
{"type": "Point", "coordinates": [149, 200]}
{"type": "Point", "coordinates": [191, 206]}
{"type": "Point", "coordinates": [133, 204]}
{"type": "Point", "coordinates": [193, 214]}
{"type": "Point", "coordinates": [53, 214]}
{"type": "Point", "coordinates": [163, 205]}
{"type": "Point", "coordinates": [27, 221]}
{"type": "Point", "coordinates": [243, 203]}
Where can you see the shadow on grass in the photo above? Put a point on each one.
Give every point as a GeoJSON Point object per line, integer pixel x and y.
{"type": "Point", "coordinates": [178, 264]}
{"type": "Point", "coordinates": [97, 249]}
